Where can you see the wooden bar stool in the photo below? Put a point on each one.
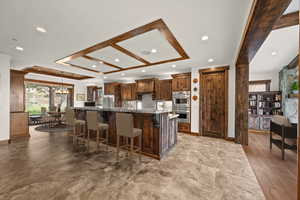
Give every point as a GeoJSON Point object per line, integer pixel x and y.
{"type": "Point", "coordinates": [94, 125]}
{"type": "Point", "coordinates": [74, 123]}
{"type": "Point", "coordinates": [124, 124]}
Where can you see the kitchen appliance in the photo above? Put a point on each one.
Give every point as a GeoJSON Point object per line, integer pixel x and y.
{"type": "Point", "coordinates": [182, 105]}
{"type": "Point", "coordinates": [181, 100]}
{"type": "Point", "coordinates": [184, 116]}
{"type": "Point", "coordinates": [108, 101]}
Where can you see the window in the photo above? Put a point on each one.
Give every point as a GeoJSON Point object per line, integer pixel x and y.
{"type": "Point", "coordinates": [259, 86]}
{"type": "Point", "coordinates": [51, 97]}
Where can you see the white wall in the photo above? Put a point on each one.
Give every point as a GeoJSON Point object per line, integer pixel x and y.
{"type": "Point", "coordinates": [4, 96]}
{"type": "Point", "coordinates": [274, 77]}
{"type": "Point", "coordinates": [231, 101]}
{"type": "Point", "coordinates": [79, 85]}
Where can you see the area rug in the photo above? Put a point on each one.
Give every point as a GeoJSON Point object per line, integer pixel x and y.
{"type": "Point", "coordinates": [58, 129]}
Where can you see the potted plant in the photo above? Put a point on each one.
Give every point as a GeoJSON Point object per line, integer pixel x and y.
{"type": "Point", "coordinates": [295, 87]}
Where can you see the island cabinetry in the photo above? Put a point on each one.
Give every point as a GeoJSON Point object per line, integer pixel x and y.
{"type": "Point", "coordinates": [181, 82]}
{"type": "Point", "coordinates": [159, 131]}
{"type": "Point", "coordinates": [145, 86]}
{"type": "Point", "coordinates": [128, 92]}
{"type": "Point", "coordinates": [163, 90]}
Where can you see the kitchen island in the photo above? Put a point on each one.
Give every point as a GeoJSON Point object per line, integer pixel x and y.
{"type": "Point", "coordinates": [159, 127]}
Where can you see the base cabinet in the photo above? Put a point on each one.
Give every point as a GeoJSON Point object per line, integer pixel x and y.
{"type": "Point", "coordinates": [184, 127]}
{"type": "Point", "coordinates": [19, 125]}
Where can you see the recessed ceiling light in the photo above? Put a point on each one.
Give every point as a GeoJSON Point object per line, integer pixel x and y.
{"type": "Point", "coordinates": [143, 70]}
{"type": "Point", "coordinates": [274, 53]}
{"type": "Point", "coordinates": [105, 77]}
{"type": "Point", "coordinates": [19, 48]}
{"type": "Point", "coordinates": [117, 60]}
{"type": "Point", "coordinates": [40, 29]}
{"type": "Point", "coordinates": [123, 74]}
{"type": "Point", "coordinates": [173, 66]}
{"type": "Point", "coordinates": [94, 66]}
{"type": "Point", "coordinates": [101, 62]}
{"type": "Point", "coordinates": [210, 60]}
{"type": "Point", "coordinates": [153, 50]}
{"type": "Point", "coordinates": [205, 37]}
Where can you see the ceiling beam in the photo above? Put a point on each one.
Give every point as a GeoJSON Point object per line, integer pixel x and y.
{"type": "Point", "coordinates": [287, 20]}
{"type": "Point", "coordinates": [294, 63]}
{"type": "Point", "coordinates": [125, 51]}
{"type": "Point", "coordinates": [101, 61]}
{"type": "Point", "coordinates": [264, 15]}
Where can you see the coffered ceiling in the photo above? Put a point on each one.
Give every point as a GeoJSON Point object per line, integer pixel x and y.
{"type": "Point", "coordinates": [72, 27]}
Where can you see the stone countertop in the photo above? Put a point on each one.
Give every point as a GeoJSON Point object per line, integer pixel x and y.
{"type": "Point", "coordinates": [120, 109]}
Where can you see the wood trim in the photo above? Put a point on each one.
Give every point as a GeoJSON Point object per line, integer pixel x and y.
{"type": "Point", "coordinates": [158, 24]}
{"type": "Point", "coordinates": [294, 63]}
{"type": "Point", "coordinates": [54, 72]}
{"type": "Point", "coordinates": [48, 82]}
{"type": "Point", "coordinates": [182, 75]}
{"type": "Point", "coordinates": [101, 61]}
{"type": "Point", "coordinates": [231, 139]}
{"type": "Point", "coordinates": [125, 51]}
{"type": "Point", "coordinates": [290, 19]}
{"type": "Point", "coordinates": [18, 71]}
{"type": "Point", "coordinates": [202, 83]}
{"type": "Point", "coordinates": [148, 65]}
{"type": "Point", "coordinates": [77, 66]}
{"type": "Point", "coordinates": [263, 16]}
{"type": "Point", "coordinates": [214, 69]}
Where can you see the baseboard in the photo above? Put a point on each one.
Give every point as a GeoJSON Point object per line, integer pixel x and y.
{"type": "Point", "coordinates": [232, 139]}
{"type": "Point", "coordinates": [191, 133]}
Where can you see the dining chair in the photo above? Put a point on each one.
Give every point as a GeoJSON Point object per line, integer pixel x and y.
{"type": "Point", "coordinates": [125, 129]}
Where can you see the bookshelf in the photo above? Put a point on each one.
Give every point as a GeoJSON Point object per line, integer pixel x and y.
{"type": "Point", "coordinates": [262, 106]}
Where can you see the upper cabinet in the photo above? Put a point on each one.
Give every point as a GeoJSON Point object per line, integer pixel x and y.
{"type": "Point", "coordinates": [110, 88]}
{"type": "Point", "coordinates": [163, 90]}
{"type": "Point", "coordinates": [17, 91]}
{"type": "Point", "coordinates": [145, 85]}
{"type": "Point", "coordinates": [181, 82]}
{"type": "Point", "coordinates": [128, 91]}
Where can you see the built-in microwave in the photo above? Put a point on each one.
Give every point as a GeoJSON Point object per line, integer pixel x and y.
{"type": "Point", "coordinates": [181, 100]}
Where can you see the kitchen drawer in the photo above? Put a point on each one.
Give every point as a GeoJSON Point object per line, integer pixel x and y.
{"type": "Point", "coordinates": [184, 127]}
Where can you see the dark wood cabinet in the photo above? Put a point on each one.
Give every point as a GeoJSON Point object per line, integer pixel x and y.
{"type": "Point", "coordinates": [181, 82]}
{"type": "Point", "coordinates": [184, 127]}
{"type": "Point", "coordinates": [128, 92]}
{"type": "Point", "coordinates": [163, 90]}
{"type": "Point", "coordinates": [110, 88]}
{"type": "Point", "coordinates": [17, 91]}
{"type": "Point", "coordinates": [18, 116]}
{"type": "Point", "coordinates": [145, 85]}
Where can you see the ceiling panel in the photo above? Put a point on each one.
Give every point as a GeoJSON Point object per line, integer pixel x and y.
{"type": "Point", "coordinates": [142, 45]}
{"type": "Point", "coordinates": [109, 54]}
{"type": "Point", "coordinates": [83, 62]}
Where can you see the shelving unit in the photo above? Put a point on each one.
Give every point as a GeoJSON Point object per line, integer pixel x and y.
{"type": "Point", "coordinates": [262, 106]}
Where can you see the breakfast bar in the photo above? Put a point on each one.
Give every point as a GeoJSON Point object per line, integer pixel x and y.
{"type": "Point", "coordinates": [159, 127]}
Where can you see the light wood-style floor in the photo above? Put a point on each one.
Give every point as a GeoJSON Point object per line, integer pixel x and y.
{"type": "Point", "coordinates": [277, 178]}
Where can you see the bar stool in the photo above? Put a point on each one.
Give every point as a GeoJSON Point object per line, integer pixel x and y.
{"type": "Point", "coordinates": [94, 125]}
{"type": "Point", "coordinates": [124, 124]}
{"type": "Point", "coordinates": [73, 122]}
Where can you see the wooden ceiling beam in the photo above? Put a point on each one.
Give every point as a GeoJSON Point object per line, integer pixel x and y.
{"type": "Point", "coordinates": [125, 51]}
{"type": "Point", "coordinates": [287, 20]}
{"type": "Point", "coordinates": [264, 16]}
{"type": "Point", "coordinates": [101, 61]}
{"type": "Point", "coordinates": [54, 72]}
{"type": "Point", "coordinates": [77, 66]}
{"type": "Point", "coordinates": [294, 63]}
